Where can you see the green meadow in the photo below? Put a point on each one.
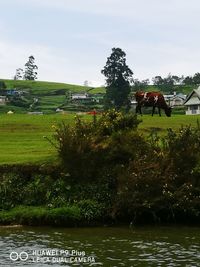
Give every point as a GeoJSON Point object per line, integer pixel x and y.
{"type": "Point", "coordinates": [161, 124]}
{"type": "Point", "coordinates": [22, 136]}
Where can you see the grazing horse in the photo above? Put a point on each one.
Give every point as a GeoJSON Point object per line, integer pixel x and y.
{"type": "Point", "coordinates": [152, 99]}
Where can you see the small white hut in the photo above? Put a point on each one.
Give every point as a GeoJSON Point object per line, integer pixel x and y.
{"type": "Point", "coordinates": [2, 100]}
{"type": "Point", "coordinates": [192, 102]}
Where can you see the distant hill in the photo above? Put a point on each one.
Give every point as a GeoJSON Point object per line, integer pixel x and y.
{"type": "Point", "coordinates": [45, 87]}
{"type": "Point", "coordinates": [49, 95]}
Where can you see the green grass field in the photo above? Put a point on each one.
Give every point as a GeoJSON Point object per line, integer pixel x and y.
{"type": "Point", "coordinates": [161, 124]}
{"type": "Point", "coordinates": [22, 135]}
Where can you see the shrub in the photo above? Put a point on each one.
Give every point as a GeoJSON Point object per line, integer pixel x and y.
{"type": "Point", "coordinates": [162, 183]}
{"type": "Point", "coordinates": [11, 190]}
{"type": "Point", "coordinates": [91, 210]}
{"type": "Point", "coordinates": [183, 150]}
{"type": "Point", "coordinates": [84, 147]}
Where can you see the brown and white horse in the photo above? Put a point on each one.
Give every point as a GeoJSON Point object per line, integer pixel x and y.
{"type": "Point", "coordinates": [152, 99]}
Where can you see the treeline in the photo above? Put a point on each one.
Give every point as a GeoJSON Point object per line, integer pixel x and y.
{"type": "Point", "coordinates": [169, 83]}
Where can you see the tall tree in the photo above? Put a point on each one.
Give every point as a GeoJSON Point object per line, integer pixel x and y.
{"type": "Point", "coordinates": [118, 77]}
{"type": "Point", "coordinates": [30, 69]}
{"type": "Point", "coordinates": [19, 74]}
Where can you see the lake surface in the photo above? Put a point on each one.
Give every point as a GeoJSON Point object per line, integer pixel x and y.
{"type": "Point", "coordinates": [105, 246]}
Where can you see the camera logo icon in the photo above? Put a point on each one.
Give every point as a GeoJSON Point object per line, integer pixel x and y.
{"type": "Point", "coordinates": [22, 256]}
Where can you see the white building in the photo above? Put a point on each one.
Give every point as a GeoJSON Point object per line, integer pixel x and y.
{"type": "Point", "coordinates": [192, 102]}
{"type": "Point", "coordinates": [3, 100]}
{"type": "Point", "coordinates": [79, 96]}
{"type": "Point", "coordinates": [175, 99]}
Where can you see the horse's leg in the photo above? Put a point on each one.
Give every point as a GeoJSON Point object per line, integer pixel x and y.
{"type": "Point", "coordinates": [153, 110]}
{"type": "Point", "coordinates": [138, 109]}
{"type": "Point", "coordinates": [159, 112]}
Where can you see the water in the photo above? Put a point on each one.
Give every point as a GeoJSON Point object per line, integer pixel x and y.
{"type": "Point", "coordinates": [109, 247]}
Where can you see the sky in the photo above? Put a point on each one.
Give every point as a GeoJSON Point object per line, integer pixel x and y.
{"type": "Point", "coordinates": [71, 39]}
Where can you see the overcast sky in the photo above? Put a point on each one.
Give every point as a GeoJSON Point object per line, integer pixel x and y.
{"type": "Point", "coordinates": [71, 39]}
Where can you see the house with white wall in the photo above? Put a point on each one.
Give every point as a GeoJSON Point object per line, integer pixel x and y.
{"type": "Point", "coordinates": [192, 102]}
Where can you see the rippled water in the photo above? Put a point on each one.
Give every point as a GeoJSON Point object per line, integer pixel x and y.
{"type": "Point", "coordinates": [109, 247]}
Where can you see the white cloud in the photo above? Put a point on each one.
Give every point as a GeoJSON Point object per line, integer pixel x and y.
{"type": "Point", "coordinates": [143, 10]}
{"type": "Point", "coordinates": [158, 36]}
{"type": "Point", "coordinates": [162, 59]}
{"type": "Point", "coordinates": [15, 55]}
{"type": "Point", "coordinates": [53, 65]}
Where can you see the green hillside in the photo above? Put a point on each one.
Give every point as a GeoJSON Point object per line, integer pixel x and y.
{"type": "Point", "coordinates": [42, 88]}
{"type": "Point", "coordinates": [49, 95]}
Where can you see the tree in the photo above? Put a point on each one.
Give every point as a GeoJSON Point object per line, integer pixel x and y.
{"type": "Point", "coordinates": [188, 80]}
{"type": "Point", "coordinates": [86, 83]}
{"type": "Point", "coordinates": [196, 78]}
{"type": "Point", "coordinates": [19, 74]}
{"type": "Point", "coordinates": [118, 78]}
{"type": "Point", "coordinates": [30, 69]}
{"type": "Point", "coordinates": [166, 84]}
{"type": "Point", "coordinates": [176, 79]}
{"type": "Point", "coordinates": [157, 81]}
{"type": "Point", "coordinates": [140, 85]}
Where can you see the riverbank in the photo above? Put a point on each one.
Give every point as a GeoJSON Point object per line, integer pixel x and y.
{"type": "Point", "coordinates": [71, 216]}
{"type": "Point", "coordinates": [107, 170]}
{"type": "Point", "coordinates": [46, 195]}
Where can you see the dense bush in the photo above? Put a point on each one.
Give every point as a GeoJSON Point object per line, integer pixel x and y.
{"type": "Point", "coordinates": [163, 184]}
{"type": "Point", "coordinates": [155, 179]}
{"type": "Point", "coordinates": [84, 147]}
{"type": "Point", "coordinates": [91, 210]}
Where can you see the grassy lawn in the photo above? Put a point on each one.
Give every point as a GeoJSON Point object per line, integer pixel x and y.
{"type": "Point", "coordinates": [22, 135]}
{"type": "Point", "coordinates": [161, 124]}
